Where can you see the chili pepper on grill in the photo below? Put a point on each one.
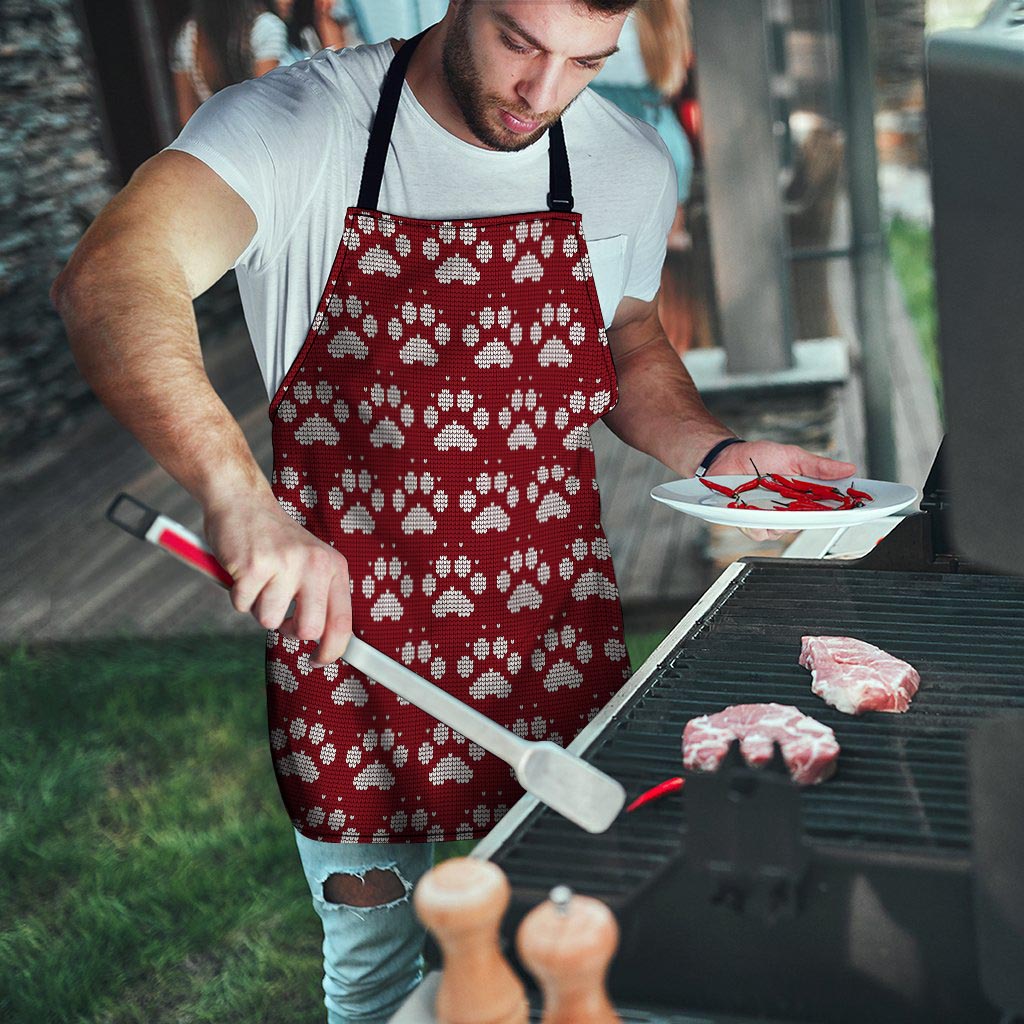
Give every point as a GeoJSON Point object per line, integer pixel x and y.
{"type": "Point", "coordinates": [656, 792]}
{"type": "Point", "coordinates": [720, 488]}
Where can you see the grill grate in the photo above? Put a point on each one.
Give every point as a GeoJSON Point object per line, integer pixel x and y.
{"type": "Point", "coordinates": [902, 779]}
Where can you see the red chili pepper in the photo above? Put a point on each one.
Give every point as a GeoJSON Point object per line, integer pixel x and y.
{"type": "Point", "coordinates": [750, 485]}
{"type": "Point", "coordinates": [863, 495]}
{"type": "Point", "coordinates": [773, 485]}
{"type": "Point", "coordinates": [656, 792]}
{"type": "Point", "coordinates": [815, 490]}
{"type": "Point", "coordinates": [806, 505]}
{"type": "Point", "coordinates": [720, 488]}
{"type": "Point", "coordinates": [793, 485]}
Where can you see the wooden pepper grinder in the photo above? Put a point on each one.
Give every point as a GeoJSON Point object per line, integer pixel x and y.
{"type": "Point", "coordinates": [567, 943]}
{"type": "Point", "coordinates": [462, 901]}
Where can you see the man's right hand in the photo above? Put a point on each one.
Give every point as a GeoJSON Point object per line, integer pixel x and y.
{"type": "Point", "coordinates": [273, 562]}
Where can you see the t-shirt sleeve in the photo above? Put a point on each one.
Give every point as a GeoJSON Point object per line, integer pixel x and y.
{"type": "Point", "coordinates": [652, 238]}
{"type": "Point", "coordinates": [269, 38]}
{"type": "Point", "coordinates": [269, 140]}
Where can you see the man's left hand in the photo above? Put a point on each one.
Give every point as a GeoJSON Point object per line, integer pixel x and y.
{"type": "Point", "coordinates": [771, 457]}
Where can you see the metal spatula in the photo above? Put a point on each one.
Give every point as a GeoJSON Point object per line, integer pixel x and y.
{"type": "Point", "coordinates": [567, 784]}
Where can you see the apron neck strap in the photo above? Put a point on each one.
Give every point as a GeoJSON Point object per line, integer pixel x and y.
{"type": "Point", "coordinates": [559, 197]}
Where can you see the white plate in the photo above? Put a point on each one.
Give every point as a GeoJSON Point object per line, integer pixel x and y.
{"type": "Point", "coordinates": [693, 498]}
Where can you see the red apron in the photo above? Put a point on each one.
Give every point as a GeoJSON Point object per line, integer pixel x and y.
{"type": "Point", "coordinates": [434, 428]}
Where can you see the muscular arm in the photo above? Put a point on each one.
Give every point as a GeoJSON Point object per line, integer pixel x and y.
{"type": "Point", "coordinates": [659, 411]}
{"type": "Point", "coordinates": [126, 300]}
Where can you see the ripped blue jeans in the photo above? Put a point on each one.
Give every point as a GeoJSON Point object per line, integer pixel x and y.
{"type": "Point", "coordinates": [372, 955]}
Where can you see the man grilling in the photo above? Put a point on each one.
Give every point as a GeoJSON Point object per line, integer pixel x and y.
{"type": "Point", "coordinates": [441, 307]}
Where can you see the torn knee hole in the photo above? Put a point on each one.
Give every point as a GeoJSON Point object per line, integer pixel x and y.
{"type": "Point", "coordinates": [373, 889]}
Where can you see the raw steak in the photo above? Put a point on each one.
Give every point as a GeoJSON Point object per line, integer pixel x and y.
{"type": "Point", "coordinates": [809, 748]}
{"type": "Point", "coordinates": [855, 677]}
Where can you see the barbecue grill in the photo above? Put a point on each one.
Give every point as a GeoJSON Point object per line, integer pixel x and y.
{"type": "Point", "coordinates": [894, 892]}
{"type": "Point", "coordinates": [746, 896]}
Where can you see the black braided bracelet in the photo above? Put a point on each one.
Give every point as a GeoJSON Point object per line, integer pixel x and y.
{"type": "Point", "coordinates": [705, 463]}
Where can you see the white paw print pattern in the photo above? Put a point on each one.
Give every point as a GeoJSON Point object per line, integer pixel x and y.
{"type": "Point", "coordinates": [482, 816]}
{"type": "Point", "coordinates": [335, 819]}
{"type": "Point", "coordinates": [591, 582]}
{"type": "Point", "coordinates": [392, 415]}
{"type": "Point", "coordinates": [457, 410]}
{"type": "Point", "coordinates": [419, 501]}
{"type": "Point", "coordinates": [487, 500]}
{"type": "Point", "coordinates": [518, 249]}
{"type": "Point", "coordinates": [375, 757]}
{"type": "Point", "coordinates": [551, 491]}
{"type": "Point", "coordinates": [357, 326]}
{"type": "Point", "coordinates": [578, 436]}
{"type": "Point", "coordinates": [298, 497]}
{"type": "Point", "coordinates": [521, 417]}
{"type": "Point", "coordinates": [402, 823]}
{"type": "Point", "coordinates": [451, 584]}
{"type": "Point", "coordinates": [422, 658]}
{"type": "Point", "coordinates": [560, 655]}
{"type": "Point", "coordinates": [387, 584]}
{"type": "Point", "coordinates": [536, 728]}
{"type": "Point", "coordinates": [358, 498]}
{"type": "Point", "coordinates": [421, 332]}
{"type": "Point", "coordinates": [523, 580]}
{"type": "Point", "coordinates": [317, 424]}
{"type": "Point", "coordinates": [489, 338]}
{"type": "Point", "coordinates": [577, 404]}
{"type": "Point", "coordinates": [449, 754]}
{"type": "Point", "coordinates": [457, 266]}
{"type": "Point", "coordinates": [494, 680]}
{"type": "Point", "coordinates": [310, 747]}
{"type": "Point", "coordinates": [550, 332]}
{"type": "Point", "coordinates": [385, 249]}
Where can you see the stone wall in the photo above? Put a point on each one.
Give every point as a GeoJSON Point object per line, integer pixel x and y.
{"type": "Point", "coordinates": [54, 178]}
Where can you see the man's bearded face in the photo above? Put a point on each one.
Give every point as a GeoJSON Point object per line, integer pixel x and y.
{"type": "Point", "coordinates": [480, 106]}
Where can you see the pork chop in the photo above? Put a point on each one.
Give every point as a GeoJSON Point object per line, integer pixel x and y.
{"type": "Point", "coordinates": [854, 677]}
{"type": "Point", "coordinates": [809, 748]}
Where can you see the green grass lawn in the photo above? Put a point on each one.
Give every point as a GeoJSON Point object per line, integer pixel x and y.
{"type": "Point", "coordinates": [148, 872]}
{"type": "Point", "coordinates": [910, 247]}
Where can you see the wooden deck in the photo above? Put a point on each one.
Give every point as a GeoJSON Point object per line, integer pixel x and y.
{"type": "Point", "coordinates": [70, 574]}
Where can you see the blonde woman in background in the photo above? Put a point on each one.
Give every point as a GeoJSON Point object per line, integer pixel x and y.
{"type": "Point", "coordinates": [224, 42]}
{"type": "Point", "coordinates": [648, 73]}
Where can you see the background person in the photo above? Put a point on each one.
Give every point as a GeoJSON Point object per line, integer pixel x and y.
{"type": "Point", "coordinates": [647, 75]}
{"type": "Point", "coordinates": [313, 25]}
{"type": "Point", "coordinates": [221, 43]}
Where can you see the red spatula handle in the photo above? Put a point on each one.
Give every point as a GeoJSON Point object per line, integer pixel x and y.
{"type": "Point", "coordinates": [147, 524]}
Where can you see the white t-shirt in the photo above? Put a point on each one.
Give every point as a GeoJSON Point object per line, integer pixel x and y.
{"type": "Point", "coordinates": [292, 144]}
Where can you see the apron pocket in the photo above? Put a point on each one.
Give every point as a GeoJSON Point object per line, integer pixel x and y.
{"type": "Point", "coordinates": [608, 263]}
